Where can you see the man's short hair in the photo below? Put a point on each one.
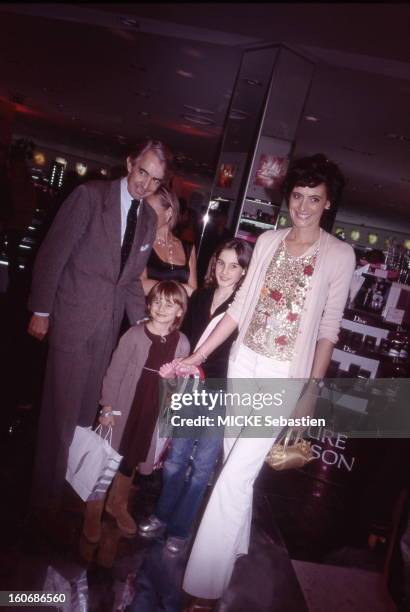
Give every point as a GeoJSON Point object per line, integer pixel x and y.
{"type": "Point", "coordinates": [159, 149]}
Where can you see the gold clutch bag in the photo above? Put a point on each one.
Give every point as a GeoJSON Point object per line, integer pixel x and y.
{"type": "Point", "coordinates": [286, 456]}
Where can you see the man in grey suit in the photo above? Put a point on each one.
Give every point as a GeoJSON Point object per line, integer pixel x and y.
{"type": "Point", "coordinates": [86, 276]}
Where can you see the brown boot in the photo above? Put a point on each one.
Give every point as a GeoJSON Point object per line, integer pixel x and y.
{"type": "Point", "coordinates": [117, 503]}
{"type": "Point", "coordinates": [92, 520]}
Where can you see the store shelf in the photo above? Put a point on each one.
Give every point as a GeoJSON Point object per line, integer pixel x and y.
{"type": "Point", "coordinates": [377, 356]}
{"type": "Point", "coordinates": [261, 224]}
{"type": "Point", "coordinates": [256, 202]}
{"type": "Point", "coordinates": [371, 319]}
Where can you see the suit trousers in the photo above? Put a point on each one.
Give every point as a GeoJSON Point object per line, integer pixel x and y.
{"type": "Point", "coordinates": [71, 394]}
{"type": "Point", "coordinates": [224, 531]}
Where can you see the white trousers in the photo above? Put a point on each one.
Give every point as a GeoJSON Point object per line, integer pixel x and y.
{"type": "Point", "coordinates": [224, 531]}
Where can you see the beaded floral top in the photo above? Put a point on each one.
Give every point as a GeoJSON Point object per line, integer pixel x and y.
{"type": "Point", "coordinates": [275, 323]}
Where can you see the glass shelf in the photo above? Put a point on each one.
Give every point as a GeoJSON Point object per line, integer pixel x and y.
{"type": "Point", "coordinates": [256, 223]}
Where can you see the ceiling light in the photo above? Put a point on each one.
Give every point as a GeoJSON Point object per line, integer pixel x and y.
{"type": "Point", "coordinates": [61, 160]}
{"type": "Point", "coordinates": [253, 82]}
{"type": "Point", "coordinates": [184, 73]}
{"type": "Point", "coordinates": [129, 22]}
{"type": "Point", "coordinates": [81, 168]}
{"type": "Point", "coordinates": [197, 109]}
{"type": "Point", "coordinates": [39, 158]}
{"type": "Point", "coordinates": [238, 115]}
{"type": "Point", "coordinates": [311, 118]}
{"type": "Point", "coordinates": [198, 120]}
{"type": "Point", "coordinates": [401, 137]}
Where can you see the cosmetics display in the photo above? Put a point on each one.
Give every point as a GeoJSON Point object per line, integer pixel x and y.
{"type": "Point", "coordinates": [374, 336]}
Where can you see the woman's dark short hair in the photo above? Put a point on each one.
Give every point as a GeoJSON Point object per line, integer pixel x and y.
{"type": "Point", "coordinates": [311, 172]}
{"type": "Point", "coordinates": [243, 252]}
{"type": "Point", "coordinates": [172, 291]}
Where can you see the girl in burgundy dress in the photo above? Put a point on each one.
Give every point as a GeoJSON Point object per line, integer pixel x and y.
{"type": "Point", "coordinates": [131, 387]}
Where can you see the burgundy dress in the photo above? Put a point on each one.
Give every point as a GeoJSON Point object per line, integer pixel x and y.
{"type": "Point", "coordinates": [136, 440]}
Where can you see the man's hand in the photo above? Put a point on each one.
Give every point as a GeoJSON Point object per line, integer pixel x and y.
{"type": "Point", "coordinates": [38, 326]}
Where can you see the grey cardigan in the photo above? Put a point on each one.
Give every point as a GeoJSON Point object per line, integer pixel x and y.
{"type": "Point", "coordinates": [121, 380]}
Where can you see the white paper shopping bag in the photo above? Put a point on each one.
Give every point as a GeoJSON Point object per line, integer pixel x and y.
{"type": "Point", "coordinates": [91, 461]}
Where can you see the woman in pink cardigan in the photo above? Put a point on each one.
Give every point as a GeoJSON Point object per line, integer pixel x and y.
{"type": "Point", "coordinates": [288, 314]}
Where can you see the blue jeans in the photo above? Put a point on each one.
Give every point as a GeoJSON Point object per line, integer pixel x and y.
{"type": "Point", "coordinates": [181, 496]}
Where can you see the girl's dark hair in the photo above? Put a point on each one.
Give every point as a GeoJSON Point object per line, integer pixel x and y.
{"type": "Point", "coordinates": [311, 172]}
{"type": "Point", "coordinates": [243, 252]}
{"type": "Point", "coordinates": [172, 291]}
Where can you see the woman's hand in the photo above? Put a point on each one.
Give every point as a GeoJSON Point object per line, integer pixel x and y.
{"type": "Point", "coordinates": [187, 370]}
{"type": "Point", "coordinates": [178, 367]}
{"type": "Point", "coordinates": [189, 364]}
{"type": "Point", "coordinates": [107, 420]}
{"type": "Point", "coordinates": [168, 370]}
{"type": "Point", "coordinates": [305, 407]}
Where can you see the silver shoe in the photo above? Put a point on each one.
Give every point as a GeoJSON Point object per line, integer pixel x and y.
{"type": "Point", "coordinates": [175, 545]}
{"type": "Point", "coordinates": [151, 525]}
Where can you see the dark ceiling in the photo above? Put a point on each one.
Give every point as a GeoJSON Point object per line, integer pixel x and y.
{"type": "Point", "coordinates": [96, 77]}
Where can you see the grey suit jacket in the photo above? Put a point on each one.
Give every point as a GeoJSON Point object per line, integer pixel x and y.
{"type": "Point", "coordinates": [76, 276]}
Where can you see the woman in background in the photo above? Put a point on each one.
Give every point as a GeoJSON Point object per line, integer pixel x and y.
{"type": "Point", "coordinates": [170, 258]}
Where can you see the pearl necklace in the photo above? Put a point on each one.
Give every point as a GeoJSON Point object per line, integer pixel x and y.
{"type": "Point", "coordinates": [168, 245]}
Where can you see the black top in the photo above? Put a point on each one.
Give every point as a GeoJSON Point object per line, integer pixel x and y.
{"type": "Point", "coordinates": [160, 270]}
{"type": "Point", "coordinates": [196, 320]}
